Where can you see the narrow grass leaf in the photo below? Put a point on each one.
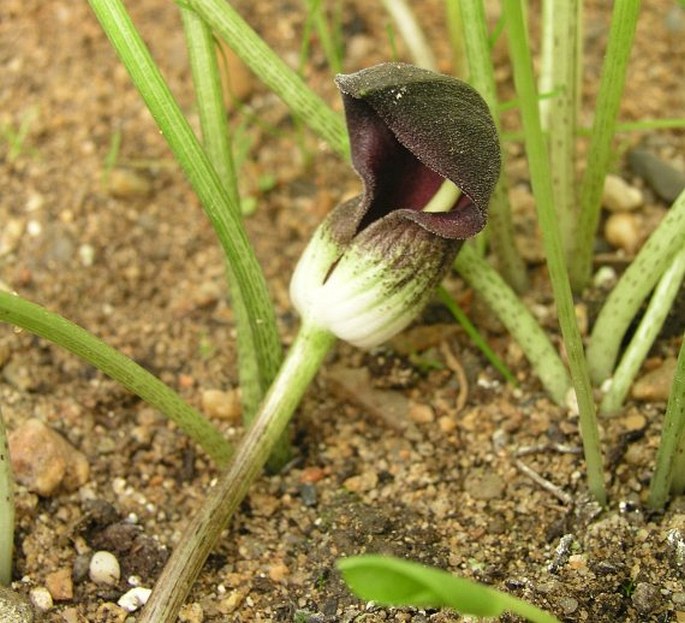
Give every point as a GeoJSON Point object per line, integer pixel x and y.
{"type": "Point", "coordinates": [256, 367]}
{"type": "Point", "coordinates": [274, 72]}
{"type": "Point", "coordinates": [53, 327]}
{"type": "Point", "coordinates": [520, 323]}
{"type": "Point", "coordinates": [645, 335]}
{"type": "Point", "coordinates": [631, 290]}
{"type": "Point", "coordinates": [6, 509]}
{"type": "Point", "coordinates": [621, 33]}
{"type": "Point", "coordinates": [482, 77]}
{"type": "Point", "coordinates": [246, 274]}
{"type": "Point", "coordinates": [542, 189]}
{"type": "Point", "coordinates": [475, 336]}
{"type": "Point", "coordinates": [670, 466]}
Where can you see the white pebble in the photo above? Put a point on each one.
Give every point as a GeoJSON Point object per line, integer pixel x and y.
{"type": "Point", "coordinates": [619, 196]}
{"type": "Point", "coordinates": [104, 568]}
{"type": "Point", "coordinates": [41, 598]}
{"type": "Point", "coordinates": [135, 598]}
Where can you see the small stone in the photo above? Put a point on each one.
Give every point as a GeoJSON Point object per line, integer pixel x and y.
{"type": "Point", "coordinates": [104, 568]}
{"type": "Point", "coordinates": [622, 231]}
{"type": "Point", "coordinates": [126, 184]}
{"type": "Point", "coordinates": [312, 475]}
{"type": "Point", "coordinates": [568, 604]}
{"type": "Point", "coordinates": [238, 81]}
{"type": "Point", "coordinates": [135, 598]}
{"type": "Point", "coordinates": [41, 598]}
{"type": "Point", "coordinates": [634, 422]}
{"type": "Point", "coordinates": [447, 424]}
{"type": "Point", "coordinates": [18, 376]}
{"type": "Point", "coordinates": [13, 607]}
{"type": "Point", "coordinates": [278, 572]}
{"type": "Point", "coordinates": [222, 405]}
{"type": "Point", "coordinates": [421, 413]}
{"type": "Point", "coordinates": [191, 613]}
{"type": "Point", "coordinates": [666, 181]}
{"type": "Point", "coordinates": [111, 613]}
{"type": "Point", "coordinates": [655, 386]}
{"type": "Point", "coordinates": [646, 598]}
{"type": "Point", "coordinates": [484, 485]}
{"type": "Point", "coordinates": [57, 464]}
{"type": "Point", "coordinates": [619, 196]}
{"type": "Point", "coordinates": [60, 584]}
{"type": "Point", "coordinates": [362, 482]}
{"type": "Point", "coordinates": [11, 234]}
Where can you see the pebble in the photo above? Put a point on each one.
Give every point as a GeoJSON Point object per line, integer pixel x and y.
{"type": "Point", "coordinates": [484, 485]}
{"type": "Point", "coordinates": [619, 196]}
{"type": "Point", "coordinates": [19, 376]}
{"type": "Point", "coordinates": [622, 231]}
{"type": "Point", "coordinates": [41, 598]}
{"type": "Point", "coordinates": [568, 604]}
{"type": "Point", "coordinates": [666, 181]}
{"type": "Point", "coordinates": [11, 234]}
{"type": "Point", "coordinates": [191, 613]}
{"type": "Point", "coordinates": [104, 568]}
{"type": "Point", "coordinates": [222, 405]}
{"type": "Point", "coordinates": [634, 422]}
{"type": "Point", "coordinates": [646, 597]}
{"type": "Point", "coordinates": [134, 598]}
{"type": "Point", "coordinates": [13, 607]}
{"type": "Point", "coordinates": [58, 464]}
{"type": "Point", "coordinates": [278, 572]}
{"type": "Point", "coordinates": [421, 413]}
{"type": "Point", "coordinates": [111, 613]}
{"type": "Point", "coordinates": [60, 584]}
{"type": "Point", "coordinates": [126, 184]}
{"type": "Point", "coordinates": [362, 482]}
{"type": "Point", "coordinates": [656, 384]}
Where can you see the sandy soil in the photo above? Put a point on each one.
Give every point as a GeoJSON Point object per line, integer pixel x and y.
{"type": "Point", "coordinates": [405, 458]}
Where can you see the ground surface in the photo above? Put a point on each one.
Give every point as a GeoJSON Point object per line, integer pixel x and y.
{"type": "Point", "coordinates": [420, 457]}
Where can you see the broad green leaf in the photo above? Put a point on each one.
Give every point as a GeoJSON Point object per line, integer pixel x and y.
{"type": "Point", "coordinates": [395, 582]}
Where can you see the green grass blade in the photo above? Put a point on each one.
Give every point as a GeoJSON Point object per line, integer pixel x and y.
{"type": "Point", "coordinates": [542, 189]}
{"type": "Point", "coordinates": [53, 327]}
{"type": "Point", "coordinates": [623, 24]}
{"type": "Point", "coordinates": [223, 213]}
{"type": "Point", "coordinates": [455, 29]}
{"type": "Point", "coordinates": [635, 284]}
{"type": "Point", "coordinates": [407, 25]}
{"type": "Point", "coordinates": [475, 336]}
{"type": "Point", "coordinates": [256, 368]}
{"type": "Point", "coordinates": [647, 332]}
{"type": "Point", "coordinates": [256, 371]}
{"type": "Point", "coordinates": [520, 323]}
{"type": "Point", "coordinates": [395, 582]}
{"type": "Point", "coordinates": [274, 72]}
{"type": "Point", "coordinates": [563, 115]}
{"type": "Point", "coordinates": [6, 509]}
{"type": "Point", "coordinates": [669, 459]}
{"type": "Point", "coordinates": [482, 77]}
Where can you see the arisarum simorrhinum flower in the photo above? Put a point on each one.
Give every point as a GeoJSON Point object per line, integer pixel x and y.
{"type": "Point", "coordinates": [426, 149]}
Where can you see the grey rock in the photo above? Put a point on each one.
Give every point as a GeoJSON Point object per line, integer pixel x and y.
{"type": "Point", "coordinates": [13, 607]}
{"type": "Point", "coordinates": [666, 181]}
{"type": "Point", "coordinates": [646, 597]}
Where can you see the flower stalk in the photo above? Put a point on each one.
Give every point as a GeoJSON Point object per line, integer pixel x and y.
{"type": "Point", "coordinates": [301, 364]}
